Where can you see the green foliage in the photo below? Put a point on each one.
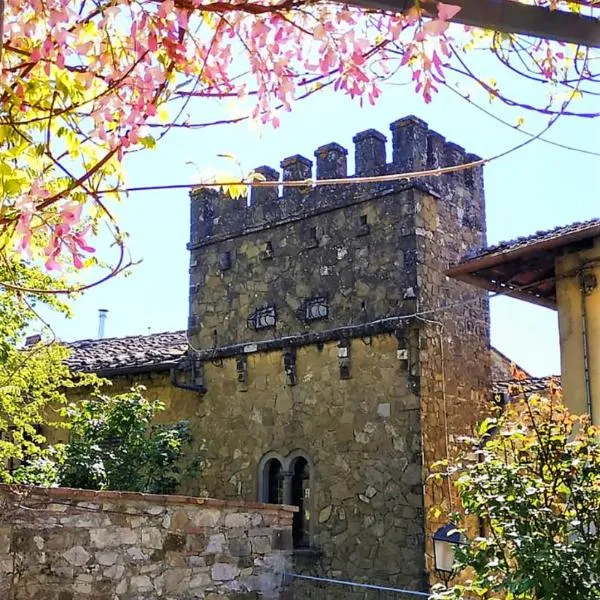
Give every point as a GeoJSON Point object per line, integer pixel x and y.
{"type": "Point", "coordinates": [532, 478]}
{"type": "Point", "coordinates": [114, 445]}
{"type": "Point", "coordinates": [33, 380]}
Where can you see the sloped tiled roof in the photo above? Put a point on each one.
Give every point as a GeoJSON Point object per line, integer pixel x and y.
{"type": "Point", "coordinates": [502, 366]}
{"type": "Point", "coordinates": [524, 267]}
{"type": "Point", "coordinates": [519, 243]}
{"type": "Point", "coordinates": [136, 352]}
{"type": "Point", "coordinates": [530, 385]}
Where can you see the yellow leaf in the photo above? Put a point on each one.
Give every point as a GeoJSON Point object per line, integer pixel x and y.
{"type": "Point", "coordinates": [163, 114]}
{"type": "Point", "coordinates": [255, 176]}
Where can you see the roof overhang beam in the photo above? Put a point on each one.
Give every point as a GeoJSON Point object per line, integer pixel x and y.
{"type": "Point", "coordinates": [508, 16]}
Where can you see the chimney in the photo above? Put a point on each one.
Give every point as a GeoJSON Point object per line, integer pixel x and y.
{"type": "Point", "coordinates": [102, 314]}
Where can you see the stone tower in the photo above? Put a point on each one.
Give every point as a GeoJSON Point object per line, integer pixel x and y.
{"type": "Point", "coordinates": [336, 359]}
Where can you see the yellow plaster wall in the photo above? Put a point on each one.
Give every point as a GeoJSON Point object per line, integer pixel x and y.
{"type": "Point", "coordinates": [179, 404]}
{"type": "Point", "coordinates": [569, 300]}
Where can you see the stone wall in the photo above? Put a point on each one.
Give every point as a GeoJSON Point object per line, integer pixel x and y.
{"type": "Point", "coordinates": [380, 388]}
{"type": "Point", "coordinates": [62, 544]}
{"type": "Point", "coordinates": [362, 436]}
{"type": "Point", "coordinates": [454, 344]}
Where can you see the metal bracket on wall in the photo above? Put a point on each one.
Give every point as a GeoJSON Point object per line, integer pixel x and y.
{"type": "Point", "coordinates": [241, 366]}
{"type": "Point", "coordinates": [195, 366]}
{"type": "Point", "coordinates": [289, 365]}
{"type": "Point", "coordinates": [587, 282]}
{"type": "Point", "coordinates": [343, 351]}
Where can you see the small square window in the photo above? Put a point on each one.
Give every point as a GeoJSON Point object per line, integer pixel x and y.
{"type": "Point", "coordinates": [363, 226]}
{"type": "Point", "coordinates": [316, 309]}
{"type": "Point", "coordinates": [311, 237]}
{"type": "Point", "coordinates": [225, 261]}
{"type": "Point", "coordinates": [267, 252]}
{"type": "Point", "coordinates": [262, 318]}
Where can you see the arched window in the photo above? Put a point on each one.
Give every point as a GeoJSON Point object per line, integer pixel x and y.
{"type": "Point", "coordinates": [289, 480]}
{"type": "Point", "coordinates": [301, 498]}
{"type": "Point", "coordinates": [273, 482]}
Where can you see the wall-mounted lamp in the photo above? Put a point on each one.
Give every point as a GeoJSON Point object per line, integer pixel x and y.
{"type": "Point", "coordinates": [445, 541]}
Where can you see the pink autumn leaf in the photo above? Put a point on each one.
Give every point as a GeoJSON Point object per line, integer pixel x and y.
{"type": "Point", "coordinates": [447, 11]}
{"type": "Point", "coordinates": [436, 27]}
{"type": "Point", "coordinates": [71, 213]}
{"type": "Point", "coordinates": [77, 262]}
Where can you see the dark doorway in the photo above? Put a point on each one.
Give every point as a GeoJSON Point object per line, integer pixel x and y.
{"type": "Point", "coordinates": [301, 498]}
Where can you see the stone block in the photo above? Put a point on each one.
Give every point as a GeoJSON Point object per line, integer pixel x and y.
{"type": "Point", "coordinates": [141, 584]}
{"type": "Point", "coordinates": [261, 544]}
{"type": "Point", "coordinates": [176, 581]}
{"type": "Point", "coordinates": [239, 547]}
{"type": "Point", "coordinates": [115, 572]}
{"type": "Point", "coordinates": [181, 520]}
{"type": "Point", "coordinates": [106, 558]}
{"type": "Point", "coordinates": [152, 537]}
{"type": "Point", "coordinates": [216, 544]}
{"type": "Point", "coordinates": [136, 554]}
{"type": "Point", "coordinates": [224, 572]}
{"type": "Point", "coordinates": [241, 520]}
{"type": "Point", "coordinates": [206, 517]}
{"type": "Point", "coordinates": [201, 580]}
{"type": "Point", "coordinates": [77, 556]}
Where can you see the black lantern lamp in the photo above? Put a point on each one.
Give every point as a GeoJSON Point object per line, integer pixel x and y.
{"type": "Point", "coordinates": [445, 540]}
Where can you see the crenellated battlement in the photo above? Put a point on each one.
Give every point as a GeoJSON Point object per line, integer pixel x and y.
{"type": "Point", "coordinates": [414, 148]}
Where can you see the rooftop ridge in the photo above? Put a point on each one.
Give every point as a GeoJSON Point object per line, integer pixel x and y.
{"type": "Point", "coordinates": [149, 352]}
{"type": "Point", "coordinates": [182, 332]}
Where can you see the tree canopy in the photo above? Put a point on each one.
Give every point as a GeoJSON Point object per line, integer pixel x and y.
{"type": "Point", "coordinates": [84, 83]}
{"type": "Point", "coordinates": [35, 379]}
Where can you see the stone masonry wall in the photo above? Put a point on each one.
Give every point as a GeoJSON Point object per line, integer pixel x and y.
{"type": "Point", "coordinates": [63, 544]}
{"type": "Point", "coordinates": [350, 263]}
{"type": "Point", "coordinates": [454, 352]}
{"type": "Point", "coordinates": [418, 343]}
{"type": "Point", "coordinates": [353, 244]}
{"type": "Point", "coordinates": [362, 436]}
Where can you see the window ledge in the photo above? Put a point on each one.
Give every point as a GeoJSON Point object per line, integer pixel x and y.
{"type": "Point", "coordinates": [306, 556]}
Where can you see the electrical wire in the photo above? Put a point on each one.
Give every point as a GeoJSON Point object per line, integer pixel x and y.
{"type": "Point", "coordinates": [392, 177]}
{"type": "Point", "coordinates": [418, 314]}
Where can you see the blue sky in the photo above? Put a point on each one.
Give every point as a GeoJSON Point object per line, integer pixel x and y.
{"type": "Point", "coordinates": [535, 188]}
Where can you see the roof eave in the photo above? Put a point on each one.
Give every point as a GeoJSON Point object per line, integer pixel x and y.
{"type": "Point", "coordinates": [503, 290]}
{"type": "Point", "coordinates": [135, 370]}
{"type": "Point", "coordinates": [503, 256]}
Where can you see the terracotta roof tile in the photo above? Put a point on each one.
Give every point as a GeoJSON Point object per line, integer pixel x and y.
{"type": "Point", "coordinates": [138, 352]}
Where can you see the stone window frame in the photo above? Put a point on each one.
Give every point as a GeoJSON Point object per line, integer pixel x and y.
{"type": "Point", "coordinates": [287, 463]}
{"type": "Point", "coordinates": [319, 301]}
{"type": "Point", "coordinates": [261, 317]}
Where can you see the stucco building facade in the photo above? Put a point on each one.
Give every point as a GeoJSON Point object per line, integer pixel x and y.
{"type": "Point", "coordinates": [558, 269]}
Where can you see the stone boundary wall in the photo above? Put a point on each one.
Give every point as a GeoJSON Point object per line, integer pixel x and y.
{"type": "Point", "coordinates": [67, 544]}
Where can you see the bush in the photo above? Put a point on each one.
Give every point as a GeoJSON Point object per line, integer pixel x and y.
{"type": "Point", "coordinates": [113, 445]}
{"type": "Point", "coordinates": [531, 476]}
